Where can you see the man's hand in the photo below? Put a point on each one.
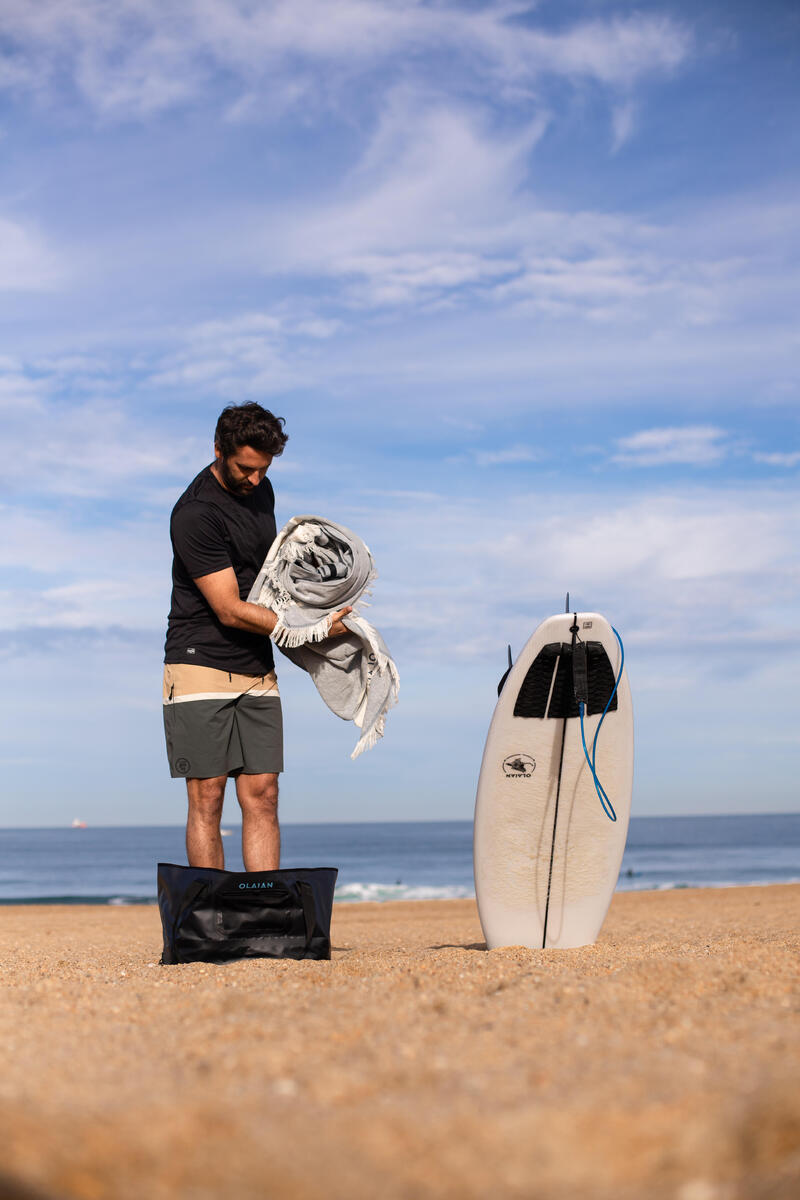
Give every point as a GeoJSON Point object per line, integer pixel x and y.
{"type": "Point", "coordinates": [337, 628]}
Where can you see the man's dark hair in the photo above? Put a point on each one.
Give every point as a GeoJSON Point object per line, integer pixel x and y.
{"type": "Point", "coordinates": [249, 425]}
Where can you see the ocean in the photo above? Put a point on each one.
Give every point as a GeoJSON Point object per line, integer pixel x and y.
{"type": "Point", "coordinates": [417, 860]}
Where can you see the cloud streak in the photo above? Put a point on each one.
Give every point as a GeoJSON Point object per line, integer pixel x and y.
{"type": "Point", "coordinates": [136, 58]}
{"type": "Point", "coordinates": [675, 568]}
{"type": "Point", "coordinates": [27, 262]}
{"type": "Point", "coordinates": [779, 458]}
{"type": "Point", "coordinates": [678, 570]}
{"type": "Point", "coordinates": [441, 211]}
{"type": "Point", "coordinates": [690, 445]}
{"type": "Point", "coordinates": [506, 456]}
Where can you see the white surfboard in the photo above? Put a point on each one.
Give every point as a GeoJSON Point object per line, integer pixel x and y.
{"type": "Point", "coordinates": [546, 854]}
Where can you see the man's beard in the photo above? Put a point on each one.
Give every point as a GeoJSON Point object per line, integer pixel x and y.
{"type": "Point", "coordinates": [240, 487]}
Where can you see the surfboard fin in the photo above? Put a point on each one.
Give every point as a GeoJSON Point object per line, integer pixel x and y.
{"type": "Point", "coordinates": [505, 676]}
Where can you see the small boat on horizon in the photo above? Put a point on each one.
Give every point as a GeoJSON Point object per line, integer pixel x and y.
{"type": "Point", "coordinates": [79, 824]}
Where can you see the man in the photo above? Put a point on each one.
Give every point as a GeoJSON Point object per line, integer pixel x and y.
{"type": "Point", "coordinates": [222, 709]}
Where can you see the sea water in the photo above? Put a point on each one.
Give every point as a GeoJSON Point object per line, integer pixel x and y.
{"type": "Point", "coordinates": [419, 860]}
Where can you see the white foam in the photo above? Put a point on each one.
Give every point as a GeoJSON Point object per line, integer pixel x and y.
{"type": "Point", "coordinates": [352, 893]}
{"type": "Point", "coordinates": [650, 885]}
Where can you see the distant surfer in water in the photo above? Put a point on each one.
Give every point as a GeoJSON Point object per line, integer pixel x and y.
{"type": "Point", "coordinates": [222, 709]}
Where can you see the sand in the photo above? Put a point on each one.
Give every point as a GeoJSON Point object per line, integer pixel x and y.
{"type": "Point", "coordinates": [661, 1062]}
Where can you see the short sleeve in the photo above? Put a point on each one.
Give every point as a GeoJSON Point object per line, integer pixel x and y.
{"type": "Point", "coordinates": [198, 539]}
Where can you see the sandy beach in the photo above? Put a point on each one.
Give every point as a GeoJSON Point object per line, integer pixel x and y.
{"type": "Point", "coordinates": [662, 1062]}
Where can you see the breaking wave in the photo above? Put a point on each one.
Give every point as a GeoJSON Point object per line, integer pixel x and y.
{"type": "Point", "coordinates": [353, 893]}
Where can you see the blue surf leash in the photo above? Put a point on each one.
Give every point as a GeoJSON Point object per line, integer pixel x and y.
{"type": "Point", "coordinates": [608, 807]}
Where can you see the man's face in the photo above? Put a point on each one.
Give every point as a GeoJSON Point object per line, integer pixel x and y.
{"type": "Point", "coordinates": [242, 471]}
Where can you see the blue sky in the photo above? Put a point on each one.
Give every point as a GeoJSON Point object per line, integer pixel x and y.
{"type": "Point", "coordinates": [522, 279]}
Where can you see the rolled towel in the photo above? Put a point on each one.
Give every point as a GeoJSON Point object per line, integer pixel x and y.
{"type": "Point", "coordinates": [314, 568]}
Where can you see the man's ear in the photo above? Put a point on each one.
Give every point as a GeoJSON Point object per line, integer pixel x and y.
{"type": "Point", "coordinates": [217, 451]}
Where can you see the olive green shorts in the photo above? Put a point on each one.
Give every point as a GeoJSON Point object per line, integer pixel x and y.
{"type": "Point", "coordinates": [218, 723]}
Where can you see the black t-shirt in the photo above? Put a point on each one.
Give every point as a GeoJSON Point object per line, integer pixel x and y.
{"type": "Point", "coordinates": [212, 529]}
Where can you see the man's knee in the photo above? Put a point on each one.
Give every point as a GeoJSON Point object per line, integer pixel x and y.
{"type": "Point", "coordinates": [258, 793]}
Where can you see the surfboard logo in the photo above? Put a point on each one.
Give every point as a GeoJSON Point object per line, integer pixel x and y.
{"type": "Point", "coordinates": [519, 766]}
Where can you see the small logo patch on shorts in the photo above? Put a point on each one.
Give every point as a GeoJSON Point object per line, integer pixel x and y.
{"type": "Point", "coordinates": [182, 766]}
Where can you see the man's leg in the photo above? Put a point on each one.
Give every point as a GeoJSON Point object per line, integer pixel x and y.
{"type": "Point", "coordinates": [203, 841]}
{"type": "Point", "coordinates": [261, 835]}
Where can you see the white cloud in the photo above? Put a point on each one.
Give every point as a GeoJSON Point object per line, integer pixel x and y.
{"type": "Point", "coordinates": [623, 123]}
{"type": "Point", "coordinates": [135, 57]}
{"type": "Point", "coordinates": [437, 209]}
{"type": "Point", "coordinates": [614, 51]}
{"type": "Point", "coordinates": [421, 215]}
{"type": "Point", "coordinates": [779, 458]}
{"type": "Point", "coordinates": [694, 445]}
{"type": "Point", "coordinates": [64, 577]}
{"type": "Point", "coordinates": [675, 570]}
{"type": "Point", "coordinates": [702, 585]}
{"type": "Point", "coordinates": [27, 263]}
{"type": "Point", "coordinates": [509, 455]}
{"type": "Point", "coordinates": [439, 212]}
{"type": "Point", "coordinates": [246, 353]}
{"type": "Point", "coordinates": [94, 446]}
{"type": "Point", "coordinates": [19, 392]}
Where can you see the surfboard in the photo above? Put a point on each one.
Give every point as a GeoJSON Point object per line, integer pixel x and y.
{"type": "Point", "coordinates": [546, 853]}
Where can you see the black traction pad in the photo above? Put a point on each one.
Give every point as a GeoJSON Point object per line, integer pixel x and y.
{"type": "Point", "coordinates": [532, 697]}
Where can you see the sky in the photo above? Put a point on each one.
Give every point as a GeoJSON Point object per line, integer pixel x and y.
{"type": "Point", "coordinates": [522, 278]}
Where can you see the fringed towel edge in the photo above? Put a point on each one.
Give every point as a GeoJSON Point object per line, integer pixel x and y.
{"type": "Point", "coordinates": [291, 638]}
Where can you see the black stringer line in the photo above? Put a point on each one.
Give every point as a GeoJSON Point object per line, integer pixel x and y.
{"type": "Point", "coordinates": [573, 631]}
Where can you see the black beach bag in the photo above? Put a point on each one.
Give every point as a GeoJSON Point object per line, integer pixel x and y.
{"type": "Point", "coordinates": [216, 916]}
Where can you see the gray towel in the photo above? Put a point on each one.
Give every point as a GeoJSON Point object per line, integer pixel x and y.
{"type": "Point", "coordinates": [314, 568]}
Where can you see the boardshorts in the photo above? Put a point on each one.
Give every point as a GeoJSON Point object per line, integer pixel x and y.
{"type": "Point", "coordinates": [220, 723]}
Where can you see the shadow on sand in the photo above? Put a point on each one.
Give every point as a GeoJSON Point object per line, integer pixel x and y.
{"type": "Point", "coordinates": [460, 946]}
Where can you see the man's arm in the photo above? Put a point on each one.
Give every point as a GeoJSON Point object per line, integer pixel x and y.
{"type": "Point", "coordinates": [221, 590]}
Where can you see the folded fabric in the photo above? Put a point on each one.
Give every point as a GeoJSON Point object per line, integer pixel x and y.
{"type": "Point", "coordinates": [314, 568]}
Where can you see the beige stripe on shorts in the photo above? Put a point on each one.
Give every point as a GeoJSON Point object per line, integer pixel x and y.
{"type": "Point", "coordinates": [185, 681]}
